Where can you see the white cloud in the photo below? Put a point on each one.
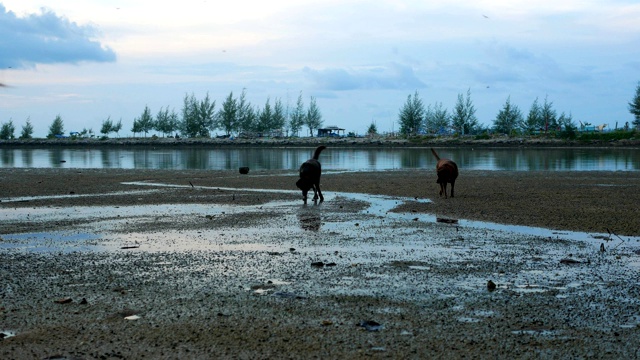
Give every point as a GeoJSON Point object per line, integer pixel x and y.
{"type": "Point", "coordinates": [47, 38]}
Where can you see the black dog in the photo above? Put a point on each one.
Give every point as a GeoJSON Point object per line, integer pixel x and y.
{"type": "Point", "coordinates": [310, 172]}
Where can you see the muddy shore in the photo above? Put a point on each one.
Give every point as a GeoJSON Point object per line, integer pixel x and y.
{"type": "Point", "coordinates": [112, 264]}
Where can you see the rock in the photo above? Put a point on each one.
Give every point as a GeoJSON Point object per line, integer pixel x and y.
{"type": "Point", "coordinates": [370, 325]}
{"type": "Point", "coordinates": [491, 285]}
{"type": "Point", "coordinates": [244, 170]}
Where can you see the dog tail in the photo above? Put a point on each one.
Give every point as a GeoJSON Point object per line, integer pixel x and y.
{"type": "Point", "coordinates": [435, 154]}
{"type": "Point", "coordinates": [319, 149]}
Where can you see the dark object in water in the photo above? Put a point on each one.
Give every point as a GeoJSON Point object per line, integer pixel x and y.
{"type": "Point", "coordinates": [447, 221]}
{"type": "Point", "coordinates": [244, 170]}
{"type": "Point", "coordinates": [491, 285]}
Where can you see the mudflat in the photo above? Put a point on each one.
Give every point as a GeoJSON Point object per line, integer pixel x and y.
{"type": "Point", "coordinates": [203, 264]}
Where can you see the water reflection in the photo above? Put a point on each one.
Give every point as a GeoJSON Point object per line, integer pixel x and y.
{"type": "Point", "coordinates": [576, 159]}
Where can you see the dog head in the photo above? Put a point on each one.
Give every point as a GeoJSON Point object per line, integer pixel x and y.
{"type": "Point", "coordinates": [305, 186]}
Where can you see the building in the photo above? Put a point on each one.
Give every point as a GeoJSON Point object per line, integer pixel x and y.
{"type": "Point", "coordinates": [330, 131]}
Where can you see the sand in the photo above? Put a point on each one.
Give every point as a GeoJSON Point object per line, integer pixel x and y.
{"type": "Point", "coordinates": [204, 264]}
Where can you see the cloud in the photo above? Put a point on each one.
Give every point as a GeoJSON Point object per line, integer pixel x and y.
{"type": "Point", "coordinates": [46, 38]}
{"type": "Point", "coordinates": [392, 76]}
{"type": "Point", "coordinates": [510, 64]}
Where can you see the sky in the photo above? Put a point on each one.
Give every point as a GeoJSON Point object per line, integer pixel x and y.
{"type": "Point", "coordinates": [91, 60]}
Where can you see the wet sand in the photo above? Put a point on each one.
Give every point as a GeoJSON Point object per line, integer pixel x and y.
{"type": "Point", "coordinates": [210, 266]}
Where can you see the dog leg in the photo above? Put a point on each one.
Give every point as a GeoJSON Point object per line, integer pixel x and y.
{"type": "Point", "coordinates": [320, 193]}
{"type": "Point", "coordinates": [444, 188]}
{"type": "Point", "coordinates": [315, 193]}
{"type": "Point", "coordinates": [452, 183]}
{"type": "Point", "coordinates": [304, 197]}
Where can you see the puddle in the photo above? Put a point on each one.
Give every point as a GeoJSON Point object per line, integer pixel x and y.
{"type": "Point", "coordinates": [4, 334]}
{"type": "Point", "coordinates": [374, 220]}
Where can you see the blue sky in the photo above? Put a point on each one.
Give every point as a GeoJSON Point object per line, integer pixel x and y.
{"type": "Point", "coordinates": [88, 60]}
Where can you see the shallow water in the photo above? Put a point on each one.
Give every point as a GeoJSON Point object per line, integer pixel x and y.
{"type": "Point", "coordinates": [564, 159]}
{"type": "Point", "coordinates": [304, 218]}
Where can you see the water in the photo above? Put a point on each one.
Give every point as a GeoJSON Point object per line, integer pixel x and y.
{"type": "Point", "coordinates": [259, 158]}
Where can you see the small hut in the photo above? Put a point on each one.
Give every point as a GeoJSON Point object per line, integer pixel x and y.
{"type": "Point", "coordinates": [330, 131]}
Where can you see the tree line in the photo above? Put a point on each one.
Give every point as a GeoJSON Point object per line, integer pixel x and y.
{"type": "Point", "coordinates": [199, 118]}
{"type": "Point", "coordinates": [414, 118]}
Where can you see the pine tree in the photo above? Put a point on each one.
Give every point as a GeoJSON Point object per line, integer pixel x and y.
{"type": "Point", "coordinates": [508, 119]}
{"type": "Point", "coordinates": [412, 115]}
{"type": "Point", "coordinates": [296, 120]}
{"type": "Point", "coordinates": [27, 130]}
{"type": "Point", "coordinates": [56, 128]}
{"type": "Point", "coordinates": [313, 119]}
{"type": "Point", "coordinates": [464, 114]}
{"type": "Point", "coordinates": [634, 107]}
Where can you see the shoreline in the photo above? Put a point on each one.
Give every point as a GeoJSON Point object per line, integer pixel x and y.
{"type": "Point", "coordinates": [502, 142]}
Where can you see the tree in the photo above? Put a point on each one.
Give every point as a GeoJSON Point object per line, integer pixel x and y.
{"type": "Point", "coordinates": [265, 118]}
{"type": "Point", "coordinates": [189, 126]}
{"type": "Point", "coordinates": [198, 117]}
{"type": "Point", "coordinates": [297, 118]}
{"type": "Point", "coordinates": [313, 119]}
{"type": "Point", "coordinates": [436, 119]}
{"type": "Point", "coordinates": [7, 130]}
{"type": "Point", "coordinates": [634, 107]}
{"type": "Point", "coordinates": [27, 130]}
{"type": "Point", "coordinates": [464, 119]}
{"type": "Point", "coordinates": [566, 122]}
{"type": "Point", "coordinates": [228, 115]}
{"type": "Point", "coordinates": [166, 122]}
{"type": "Point", "coordinates": [508, 119]}
{"type": "Point", "coordinates": [548, 116]}
{"type": "Point", "coordinates": [245, 115]}
{"type": "Point", "coordinates": [207, 116]}
{"type": "Point", "coordinates": [278, 119]}
{"type": "Point", "coordinates": [137, 127]}
{"type": "Point", "coordinates": [107, 126]}
{"type": "Point", "coordinates": [56, 127]}
{"type": "Point", "coordinates": [412, 115]}
{"type": "Point", "coordinates": [115, 128]}
{"type": "Point", "coordinates": [373, 129]}
{"type": "Point", "coordinates": [534, 118]}
{"type": "Point", "coordinates": [145, 121]}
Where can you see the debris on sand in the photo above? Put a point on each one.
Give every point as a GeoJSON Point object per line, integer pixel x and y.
{"type": "Point", "coordinates": [66, 300]}
{"type": "Point", "coordinates": [370, 325]}
{"type": "Point", "coordinates": [569, 261]}
{"type": "Point", "coordinates": [320, 264]}
{"type": "Point", "coordinates": [491, 285]}
{"type": "Point", "coordinates": [447, 220]}
{"type": "Point", "coordinates": [244, 170]}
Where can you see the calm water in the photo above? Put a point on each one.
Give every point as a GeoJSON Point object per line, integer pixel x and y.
{"type": "Point", "coordinates": [332, 159]}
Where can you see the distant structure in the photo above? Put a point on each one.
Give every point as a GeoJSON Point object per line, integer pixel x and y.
{"type": "Point", "coordinates": [330, 131]}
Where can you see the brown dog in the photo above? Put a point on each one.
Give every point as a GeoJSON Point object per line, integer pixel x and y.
{"type": "Point", "coordinates": [447, 171]}
{"type": "Point", "coordinates": [310, 172]}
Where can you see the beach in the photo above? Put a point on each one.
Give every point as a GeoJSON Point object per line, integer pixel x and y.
{"type": "Point", "coordinates": [198, 264]}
